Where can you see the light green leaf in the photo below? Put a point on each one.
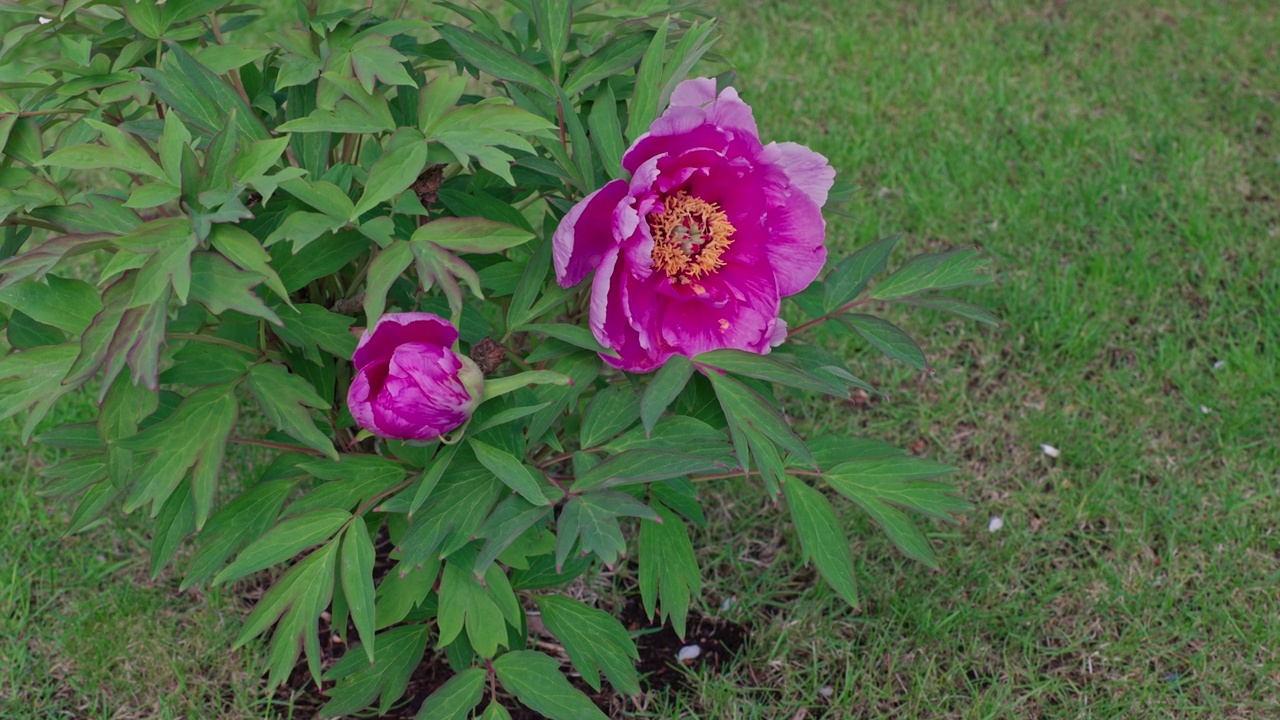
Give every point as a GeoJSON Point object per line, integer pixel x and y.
{"type": "Point", "coordinates": [463, 603]}
{"type": "Point", "coordinates": [284, 399]}
{"type": "Point", "coordinates": [666, 384]}
{"type": "Point", "coordinates": [454, 699]}
{"type": "Point", "coordinates": [313, 328]}
{"type": "Point", "coordinates": [766, 368]}
{"type": "Point", "coordinates": [395, 171]}
{"type": "Point", "coordinates": [169, 242]}
{"type": "Point", "coordinates": [493, 387]}
{"type": "Point", "coordinates": [315, 570]}
{"type": "Point", "coordinates": [611, 411]}
{"type": "Point", "coordinates": [642, 466]}
{"type": "Point", "coordinates": [66, 304]}
{"type": "Point", "coordinates": [220, 286]}
{"type": "Point", "coordinates": [359, 683]}
{"type": "Point", "coordinates": [494, 59]}
{"type": "Point", "coordinates": [245, 251]}
{"type": "Point", "coordinates": [471, 235]}
{"type": "Point", "coordinates": [852, 274]}
{"type": "Point", "coordinates": [951, 305]}
{"type": "Point", "coordinates": [386, 268]}
{"type": "Point", "coordinates": [668, 567]}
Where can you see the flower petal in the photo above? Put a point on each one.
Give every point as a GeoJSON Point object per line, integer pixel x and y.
{"type": "Point", "coordinates": [806, 169]}
{"type": "Point", "coordinates": [586, 234]}
{"type": "Point", "coordinates": [795, 247]}
{"type": "Point", "coordinates": [395, 329]}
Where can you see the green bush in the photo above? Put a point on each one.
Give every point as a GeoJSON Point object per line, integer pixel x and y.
{"type": "Point", "coordinates": [203, 208]}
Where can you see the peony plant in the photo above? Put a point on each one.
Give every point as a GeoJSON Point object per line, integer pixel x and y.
{"type": "Point", "coordinates": [490, 297]}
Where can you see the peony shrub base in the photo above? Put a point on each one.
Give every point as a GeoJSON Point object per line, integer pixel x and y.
{"type": "Point", "coordinates": [507, 290]}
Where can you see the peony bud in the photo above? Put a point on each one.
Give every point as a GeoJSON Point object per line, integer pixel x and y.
{"type": "Point", "coordinates": [409, 383]}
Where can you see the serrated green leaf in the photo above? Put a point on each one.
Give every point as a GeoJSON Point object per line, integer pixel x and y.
{"type": "Point", "coordinates": [888, 339]}
{"type": "Point", "coordinates": [291, 536]}
{"type": "Point", "coordinates": [821, 537]}
{"type": "Point", "coordinates": [594, 640]}
{"type": "Point", "coordinates": [848, 278]}
{"type": "Point", "coordinates": [245, 251]}
{"type": "Point", "coordinates": [934, 271]}
{"type": "Point", "coordinates": [537, 682]}
{"type": "Point", "coordinates": [311, 573]}
{"type": "Point", "coordinates": [220, 286]}
{"type": "Point", "coordinates": [402, 650]}
{"type": "Point", "coordinates": [247, 516]}
{"type": "Point", "coordinates": [668, 567]}
{"type": "Point", "coordinates": [169, 242]}
{"type": "Point", "coordinates": [284, 399]}
{"type": "Point", "coordinates": [193, 438]}
{"type": "Point", "coordinates": [395, 171]}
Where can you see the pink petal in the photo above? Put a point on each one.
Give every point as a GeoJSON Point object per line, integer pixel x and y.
{"type": "Point", "coordinates": [795, 247]}
{"type": "Point", "coordinates": [395, 329]}
{"type": "Point", "coordinates": [806, 169]}
{"type": "Point", "coordinates": [694, 91]}
{"type": "Point", "coordinates": [586, 234]}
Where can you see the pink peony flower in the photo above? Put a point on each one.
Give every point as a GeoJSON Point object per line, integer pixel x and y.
{"type": "Point", "coordinates": [697, 250]}
{"type": "Point", "coordinates": [409, 383]}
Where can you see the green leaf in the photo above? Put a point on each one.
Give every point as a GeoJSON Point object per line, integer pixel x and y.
{"type": "Point", "coordinates": [431, 478]}
{"type": "Point", "coordinates": [401, 651]}
{"type": "Point", "coordinates": [302, 229]}
{"type": "Point", "coordinates": [644, 101]}
{"type": "Point", "coordinates": [198, 364]}
{"type": "Point", "coordinates": [373, 59]}
{"type": "Point", "coordinates": [766, 368]}
{"type": "Point", "coordinates": [953, 306]}
{"type": "Point", "coordinates": [287, 590]}
{"type": "Point", "coordinates": [934, 271]}
{"type": "Point", "coordinates": [554, 20]}
{"type": "Point", "coordinates": [200, 96]}
{"type": "Point", "coordinates": [193, 438]}
{"type": "Point", "coordinates": [494, 59]}
{"type": "Point", "coordinates": [346, 117]}
{"type": "Point", "coordinates": [245, 251]}
{"type": "Point", "coordinates": [124, 406]}
{"type": "Point", "coordinates": [353, 480]}
{"type": "Point", "coordinates": [68, 305]}
{"type": "Point", "coordinates": [176, 520]}
{"type": "Point", "coordinates": [464, 603]}
{"type": "Point", "coordinates": [403, 590]}
{"type": "Point", "coordinates": [323, 257]}
{"type": "Point", "coordinates": [284, 399]}
{"type": "Point", "coordinates": [594, 517]}
{"type": "Point", "coordinates": [573, 334]}
{"type": "Point", "coordinates": [594, 640]}
{"type": "Point", "coordinates": [220, 286]}
{"type": "Point", "coordinates": [169, 242]}
{"type": "Point", "coordinates": [611, 411]}
{"type": "Point", "coordinates": [323, 196]}
{"type": "Point", "coordinates": [493, 387]}
{"type": "Point", "coordinates": [493, 711]}
{"type": "Point", "coordinates": [247, 516]}
{"type": "Point", "coordinates": [901, 531]}
{"type": "Point", "coordinates": [454, 699]}
{"type": "Point", "coordinates": [437, 98]}
{"type": "Point", "coordinates": [395, 171]}
{"type": "Point", "coordinates": [663, 388]}
{"type": "Point", "coordinates": [614, 58]}
{"type": "Point", "coordinates": [152, 195]}
{"type": "Point", "coordinates": [25, 333]}
{"type": "Point", "coordinates": [386, 268]}
{"type": "Point", "coordinates": [357, 581]}
{"type": "Point", "coordinates": [744, 406]}
{"type": "Point", "coordinates": [821, 537]}
{"type": "Point", "coordinates": [847, 279]}
{"type": "Point", "coordinates": [642, 466]}
{"type": "Point", "coordinates": [290, 537]}
{"type": "Point", "coordinates": [888, 339]}
{"type": "Point", "coordinates": [471, 235]}
{"type": "Point", "coordinates": [606, 133]}
{"type": "Point", "coordinates": [668, 567]}
{"type": "Point", "coordinates": [313, 328]}
{"type": "Point", "coordinates": [510, 470]}
{"type": "Point", "coordinates": [697, 40]}
{"type": "Point", "coordinates": [537, 682]}
{"type": "Point", "coordinates": [505, 525]}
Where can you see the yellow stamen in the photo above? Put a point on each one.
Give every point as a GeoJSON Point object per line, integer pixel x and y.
{"type": "Point", "coordinates": [689, 236]}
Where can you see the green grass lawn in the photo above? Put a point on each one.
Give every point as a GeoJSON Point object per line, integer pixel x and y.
{"type": "Point", "coordinates": [1120, 163]}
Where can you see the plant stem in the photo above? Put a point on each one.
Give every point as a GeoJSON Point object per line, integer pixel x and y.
{"type": "Point", "coordinates": [215, 340]}
{"type": "Point", "coordinates": [829, 316]}
{"type": "Point", "coordinates": [275, 445]}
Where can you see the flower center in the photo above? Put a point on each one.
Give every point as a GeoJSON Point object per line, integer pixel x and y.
{"type": "Point", "coordinates": [689, 236]}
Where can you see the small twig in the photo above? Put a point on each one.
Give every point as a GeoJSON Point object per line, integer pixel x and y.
{"type": "Point", "coordinates": [829, 316]}
{"type": "Point", "coordinates": [274, 445]}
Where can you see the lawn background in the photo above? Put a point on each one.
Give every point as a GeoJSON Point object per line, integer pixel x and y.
{"type": "Point", "coordinates": [1120, 163]}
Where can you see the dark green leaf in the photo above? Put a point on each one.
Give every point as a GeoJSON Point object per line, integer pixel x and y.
{"type": "Point", "coordinates": [951, 305]}
{"type": "Point", "coordinates": [934, 271]}
{"type": "Point", "coordinates": [594, 640]}
{"type": "Point", "coordinates": [663, 388]}
{"type": "Point", "coordinates": [495, 60]}
{"type": "Point", "coordinates": [68, 305]}
{"type": "Point", "coordinates": [537, 682]}
{"type": "Point", "coordinates": [198, 364]}
{"type": "Point", "coordinates": [200, 96]}
{"type": "Point", "coordinates": [285, 540]}
{"type": "Point", "coordinates": [395, 171]}
{"type": "Point", "coordinates": [219, 286]}
{"type": "Point", "coordinates": [554, 20]}
{"type": "Point", "coordinates": [357, 581]}
{"type": "Point", "coordinates": [851, 275]}
{"type": "Point", "coordinates": [611, 411]}
{"type": "Point", "coordinates": [454, 699]}
{"type": "Point", "coordinates": [313, 328]}
{"type": "Point", "coordinates": [821, 537]}
{"type": "Point", "coordinates": [510, 470]}
{"type": "Point", "coordinates": [766, 368]}
{"type": "Point", "coordinates": [888, 339]}
{"type": "Point", "coordinates": [614, 58]}
{"type": "Point", "coordinates": [649, 79]}
{"type": "Point", "coordinates": [359, 684]}
{"type": "Point", "coordinates": [641, 466]}
{"type": "Point", "coordinates": [471, 235]}
{"type": "Point", "coordinates": [668, 568]}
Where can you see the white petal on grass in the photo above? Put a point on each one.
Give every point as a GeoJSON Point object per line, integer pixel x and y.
{"type": "Point", "coordinates": [827, 691]}
{"type": "Point", "coordinates": [1050, 450]}
{"type": "Point", "coordinates": [44, 20]}
{"type": "Point", "coordinates": [1220, 364]}
{"type": "Point", "coordinates": [995, 523]}
{"type": "Point", "coordinates": [689, 652]}
{"type": "Point", "coordinates": [1205, 410]}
